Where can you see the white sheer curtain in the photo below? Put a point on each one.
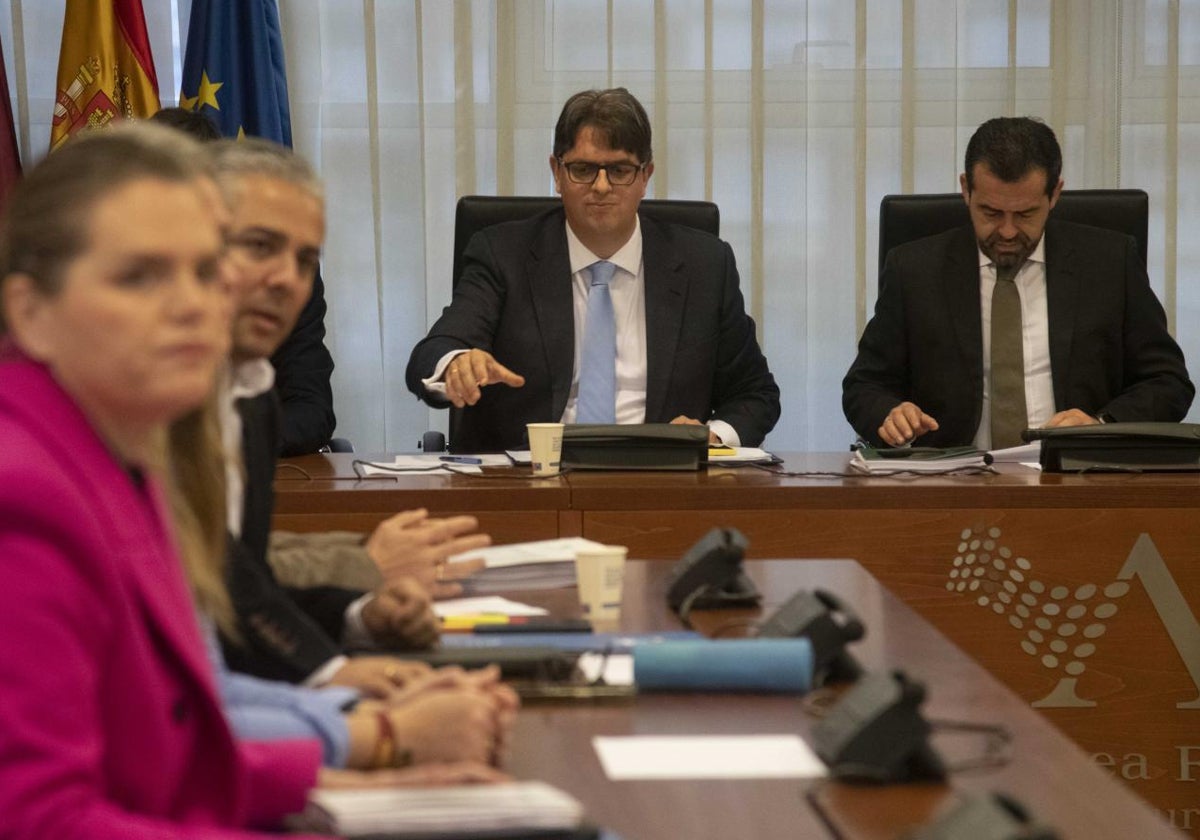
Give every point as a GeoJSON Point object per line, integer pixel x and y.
{"type": "Point", "coordinates": [795, 116]}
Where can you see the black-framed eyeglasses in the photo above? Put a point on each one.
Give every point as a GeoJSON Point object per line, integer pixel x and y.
{"type": "Point", "coordinates": [586, 172]}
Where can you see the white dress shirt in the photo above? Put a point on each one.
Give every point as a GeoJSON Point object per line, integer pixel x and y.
{"type": "Point", "coordinates": [628, 291]}
{"type": "Point", "coordinates": [243, 380]}
{"type": "Point", "coordinates": [1035, 339]}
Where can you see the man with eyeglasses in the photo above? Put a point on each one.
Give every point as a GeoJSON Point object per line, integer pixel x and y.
{"type": "Point", "coordinates": [593, 312]}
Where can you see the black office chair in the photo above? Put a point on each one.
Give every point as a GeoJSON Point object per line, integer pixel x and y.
{"type": "Point", "coordinates": [903, 218]}
{"type": "Point", "coordinates": [476, 212]}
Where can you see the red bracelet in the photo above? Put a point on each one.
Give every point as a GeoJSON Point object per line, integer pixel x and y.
{"type": "Point", "coordinates": [387, 754]}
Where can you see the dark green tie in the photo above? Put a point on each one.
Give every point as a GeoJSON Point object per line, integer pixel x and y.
{"type": "Point", "coordinates": [1009, 417]}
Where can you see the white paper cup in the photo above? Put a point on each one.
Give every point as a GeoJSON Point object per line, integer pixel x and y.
{"type": "Point", "coordinates": [599, 573]}
{"type": "Point", "coordinates": [545, 447]}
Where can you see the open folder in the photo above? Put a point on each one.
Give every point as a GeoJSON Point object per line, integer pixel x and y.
{"type": "Point", "coordinates": [917, 459]}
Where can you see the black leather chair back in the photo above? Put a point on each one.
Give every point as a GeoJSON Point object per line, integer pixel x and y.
{"type": "Point", "coordinates": [903, 218]}
{"type": "Point", "coordinates": [475, 212]}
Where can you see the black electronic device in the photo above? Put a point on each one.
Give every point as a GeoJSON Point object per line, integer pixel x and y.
{"type": "Point", "coordinates": [433, 442]}
{"type": "Point", "coordinates": [709, 576]}
{"type": "Point", "coordinates": [829, 625]}
{"type": "Point", "coordinates": [529, 663]}
{"type": "Point", "coordinates": [1120, 447]}
{"type": "Point", "coordinates": [986, 816]}
{"type": "Point", "coordinates": [875, 733]}
{"type": "Point", "coordinates": [634, 446]}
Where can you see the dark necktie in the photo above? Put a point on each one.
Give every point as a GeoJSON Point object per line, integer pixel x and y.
{"type": "Point", "coordinates": [1009, 416]}
{"type": "Point", "coordinates": [598, 363]}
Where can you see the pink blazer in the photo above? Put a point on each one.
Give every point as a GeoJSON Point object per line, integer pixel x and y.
{"type": "Point", "coordinates": [109, 722]}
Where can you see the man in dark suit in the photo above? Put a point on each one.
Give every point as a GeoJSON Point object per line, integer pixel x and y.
{"type": "Point", "coordinates": [1015, 322]}
{"type": "Point", "coordinates": [516, 343]}
{"type": "Point", "coordinates": [303, 365]}
{"type": "Point", "coordinates": [276, 228]}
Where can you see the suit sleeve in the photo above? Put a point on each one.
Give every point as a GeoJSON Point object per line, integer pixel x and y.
{"type": "Point", "coordinates": [326, 605]}
{"type": "Point", "coordinates": [745, 394]}
{"type": "Point", "coordinates": [468, 322]}
{"type": "Point", "coordinates": [1155, 383]}
{"type": "Point", "coordinates": [280, 641]}
{"type": "Point", "coordinates": [303, 367]}
{"type": "Point", "coordinates": [878, 379]}
{"type": "Point", "coordinates": [52, 773]}
{"type": "Point", "coordinates": [332, 558]}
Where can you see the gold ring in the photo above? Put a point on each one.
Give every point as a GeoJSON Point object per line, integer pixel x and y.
{"type": "Point", "coordinates": [440, 569]}
{"type": "Point", "coordinates": [392, 673]}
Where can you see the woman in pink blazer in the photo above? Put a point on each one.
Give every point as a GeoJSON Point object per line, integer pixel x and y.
{"type": "Point", "coordinates": [115, 320]}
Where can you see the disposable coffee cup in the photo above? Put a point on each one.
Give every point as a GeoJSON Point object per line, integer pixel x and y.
{"type": "Point", "coordinates": [599, 573]}
{"type": "Point", "coordinates": [545, 447]}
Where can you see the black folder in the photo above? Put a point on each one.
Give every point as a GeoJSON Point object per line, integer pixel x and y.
{"type": "Point", "coordinates": [1120, 447]}
{"type": "Point", "coordinates": [637, 446]}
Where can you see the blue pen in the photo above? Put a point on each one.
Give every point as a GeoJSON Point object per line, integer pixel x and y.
{"type": "Point", "coordinates": [461, 459]}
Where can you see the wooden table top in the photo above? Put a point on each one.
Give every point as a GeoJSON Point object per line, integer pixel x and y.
{"type": "Point", "coordinates": [1047, 772]}
{"type": "Point", "coordinates": [333, 479]}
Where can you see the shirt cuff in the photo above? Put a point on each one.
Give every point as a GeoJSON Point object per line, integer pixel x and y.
{"type": "Point", "coordinates": [435, 384]}
{"type": "Point", "coordinates": [355, 635]}
{"type": "Point", "coordinates": [724, 432]}
{"type": "Point", "coordinates": [325, 673]}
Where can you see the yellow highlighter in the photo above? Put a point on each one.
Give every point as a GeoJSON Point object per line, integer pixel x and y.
{"type": "Point", "coordinates": [467, 623]}
{"type": "Point", "coordinates": [718, 451]}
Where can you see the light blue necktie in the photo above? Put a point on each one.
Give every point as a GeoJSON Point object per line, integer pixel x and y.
{"type": "Point", "coordinates": [598, 364]}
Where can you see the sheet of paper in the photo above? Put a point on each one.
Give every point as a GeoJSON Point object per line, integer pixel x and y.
{"type": "Point", "coordinates": [616, 668]}
{"type": "Point", "coordinates": [540, 551]}
{"type": "Point", "coordinates": [707, 757]}
{"type": "Point", "coordinates": [484, 605]}
{"type": "Point", "coordinates": [1028, 453]}
{"type": "Point", "coordinates": [889, 466]}
{"type": "Point", "coordinates": [742, 455]}
{"type": "Point", "coordinates": [521, 457]}
{"type": "Point", "coordinates": [433, 463]}
{"type": "Point", "coordinates": [510, 809]}
{"type": "Point", "coordinates": [404, 464]}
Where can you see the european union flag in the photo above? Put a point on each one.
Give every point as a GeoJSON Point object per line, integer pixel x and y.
{"type": "Point", "coordinates": [233, 68]}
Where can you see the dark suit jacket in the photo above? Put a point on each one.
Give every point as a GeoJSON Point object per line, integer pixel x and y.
{"type": "Point", "coordinates": [303, 367]}
{"type": "Point", "coordinates": [514, 300]}
{"type": "Point", "coordinates": [1110, 351]}
{"type": "Point", "coordinates": [286, 633]}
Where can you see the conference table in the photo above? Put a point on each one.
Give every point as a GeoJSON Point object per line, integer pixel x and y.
{"type": "Point", "coordinates": [1074, 590]}
{"type": "Point", "coordinates": [1045, 771]}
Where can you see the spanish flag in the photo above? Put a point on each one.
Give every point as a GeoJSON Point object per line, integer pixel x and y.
{"type": "Point", "coordinates": [105, 69]}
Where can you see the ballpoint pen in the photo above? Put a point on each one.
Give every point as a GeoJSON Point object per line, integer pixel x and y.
{"type": "Point", "coordinates": [460, 459]}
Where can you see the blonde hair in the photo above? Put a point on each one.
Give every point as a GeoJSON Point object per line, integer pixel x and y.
{"type": "Point", "coordinates": [46, 227]}
{"type": "Point", "coordinates": [196, 490]}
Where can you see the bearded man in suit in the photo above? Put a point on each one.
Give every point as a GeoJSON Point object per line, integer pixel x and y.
{"type": "Point", "coordinates": [1016, 321]}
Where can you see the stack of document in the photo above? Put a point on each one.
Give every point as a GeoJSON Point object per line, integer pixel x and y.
{"type": "Point", "coordinates": [917, 459]}
{"type": "Point", "coordinates": [733, 455]}
{"type": "Point", "coordinates": [505, 809]}
{"type": "Point", "coordinates": [546, 564]}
